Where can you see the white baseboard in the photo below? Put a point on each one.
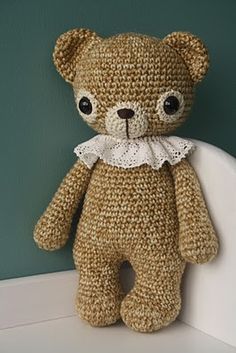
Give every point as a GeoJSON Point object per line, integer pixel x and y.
{"type": "Point", "coordinates": [39, 298]}
{"type": "Point", "coordinates": [32, 299]}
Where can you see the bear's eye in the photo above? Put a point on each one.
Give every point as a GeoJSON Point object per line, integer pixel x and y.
{"type": "Point", "coordinates": [170, 106]}
{"type": "Point", "coordinates": [85, 106]}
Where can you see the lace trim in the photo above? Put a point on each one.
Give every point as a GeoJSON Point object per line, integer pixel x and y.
{"type": "Point", "coordinates": [151, 150]}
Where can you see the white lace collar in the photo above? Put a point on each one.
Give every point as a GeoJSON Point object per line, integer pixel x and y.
{"type": "Point", "coordinates": [151, 150]}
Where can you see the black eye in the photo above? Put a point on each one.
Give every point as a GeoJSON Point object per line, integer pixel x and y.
{"type": "Point", "coordinates": [171, 105]}
{"type": "Point", "coordinates": [85, 106]}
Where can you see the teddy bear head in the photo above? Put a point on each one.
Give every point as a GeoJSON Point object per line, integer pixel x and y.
{"type": "Point", "coordinates": [131, 85]}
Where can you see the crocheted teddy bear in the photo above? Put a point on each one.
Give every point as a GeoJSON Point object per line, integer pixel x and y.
{"type": "Point", "coordinates": [143, 202]}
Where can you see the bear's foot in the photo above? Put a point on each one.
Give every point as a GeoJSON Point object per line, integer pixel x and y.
{"type": "Point", "coordinates": [148, 315]}
{"type": "Point", "coordinates": [99, 310]}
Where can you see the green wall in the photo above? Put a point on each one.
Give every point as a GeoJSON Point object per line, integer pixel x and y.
{"type": "Point", "coordinates": [39, 122]}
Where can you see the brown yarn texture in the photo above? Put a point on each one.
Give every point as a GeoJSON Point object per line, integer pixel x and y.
{"type": "Point", "coordinates": [155, 219]}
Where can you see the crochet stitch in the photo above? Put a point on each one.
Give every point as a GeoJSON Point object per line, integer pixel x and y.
{"type": "Point", "coordinates": [143, 202]}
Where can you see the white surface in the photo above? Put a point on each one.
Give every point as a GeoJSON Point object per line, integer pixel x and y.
{"type": "Point", "coordinates": [209, 300]}
{"type": "Point", "coordinates": [43, 297]}
{"type": "Point", "coordinates": [70, 335]}
{"type": "Point", "coordinates": [37, 298]}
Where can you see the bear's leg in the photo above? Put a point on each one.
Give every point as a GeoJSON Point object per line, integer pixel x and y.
{"type": "Point", "coordinates": [99, 294]}
{"type": "Point", "coordinates": [155, 299]}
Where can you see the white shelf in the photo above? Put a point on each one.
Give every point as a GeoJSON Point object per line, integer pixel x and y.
{"type": "Point", "coordinates": [71, 335]}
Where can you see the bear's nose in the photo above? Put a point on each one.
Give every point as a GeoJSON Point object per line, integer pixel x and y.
{"type": "Point", "coordinates": [125, 113]}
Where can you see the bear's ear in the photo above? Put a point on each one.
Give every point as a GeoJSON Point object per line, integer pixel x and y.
{"type": "Point", "coordinates": [68, 50]}
{"type": "Point", "coordinates": [192, 51]}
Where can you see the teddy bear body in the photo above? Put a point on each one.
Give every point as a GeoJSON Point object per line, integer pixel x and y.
{"type": "Point", "coordinates": [145, 233]}
{"type": "Point", "coordinates": [131, 89]}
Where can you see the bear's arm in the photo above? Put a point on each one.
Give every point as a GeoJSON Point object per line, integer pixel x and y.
{"type": "Point", "coordinates": [52, 230]}
{"type": "Point", "coordinates": [197, 239]}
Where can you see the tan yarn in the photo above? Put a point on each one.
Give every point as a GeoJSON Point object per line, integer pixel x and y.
{"type": "Point", "coordinates": [52, 229]}
{"type": "Point", "coordinates": [197, 240]}
{"type": "Point", "coordinates": [130, 68]}
{"type": "Point", "coordinates": [155, 219]}
{"type": "Point", "coordinates": [192, 51]}
{"type": "Point", "coordinates": [69, 47]}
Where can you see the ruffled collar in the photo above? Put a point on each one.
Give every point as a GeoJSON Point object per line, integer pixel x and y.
{"type": "Point", "coordinates": [130, 153]}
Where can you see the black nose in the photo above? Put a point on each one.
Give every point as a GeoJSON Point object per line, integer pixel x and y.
{"type": "Point", "coordinates": [125, 113]}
